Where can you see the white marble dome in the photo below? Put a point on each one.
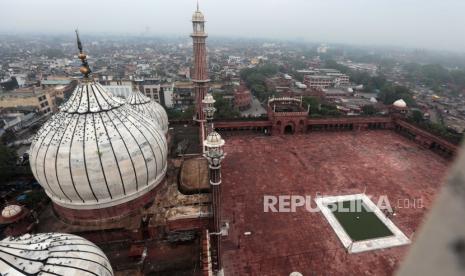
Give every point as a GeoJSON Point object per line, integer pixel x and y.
{"type": "Point", "coordinates": [97, 152]}
{"type": "Point", "coordinates": [52, 254]}
{"type": "Point", "coordinates": [149, 108]}
{"type": "Point", "coordinates": [400, 103]}
{"type": "Point", "coordinates": [11, 211]}
{"type": "Point", "coordinates": [214, 140]}
{"type": "Point", "coordinates": [198, 16]}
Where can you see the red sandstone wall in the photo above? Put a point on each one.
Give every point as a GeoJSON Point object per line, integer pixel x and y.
{"type": "Point", "coordinates": [104, 215]}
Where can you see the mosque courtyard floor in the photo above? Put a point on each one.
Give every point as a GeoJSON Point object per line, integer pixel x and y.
{"type": "Point", "coordinates": [377, 163]}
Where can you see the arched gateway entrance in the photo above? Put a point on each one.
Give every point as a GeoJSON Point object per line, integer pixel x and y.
{"type": "Point", "coordinates": [289, 129]}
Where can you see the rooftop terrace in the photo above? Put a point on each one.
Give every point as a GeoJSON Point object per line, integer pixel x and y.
{"type": "Point", "coordinates": [337, 163]}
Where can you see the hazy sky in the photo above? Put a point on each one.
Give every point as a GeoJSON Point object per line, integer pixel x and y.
{"type": "Point", "coordinates": [436, 24]}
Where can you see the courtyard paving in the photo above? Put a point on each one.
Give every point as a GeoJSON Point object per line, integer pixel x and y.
{"type": "Point", "coordinates": [327, 163]}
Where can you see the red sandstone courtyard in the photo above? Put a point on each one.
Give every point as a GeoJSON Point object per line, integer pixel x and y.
{"type": "Point", "coordinates": [334, 163]}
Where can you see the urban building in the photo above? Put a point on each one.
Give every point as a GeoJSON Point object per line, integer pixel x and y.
{"type": "Point", "coordinates": [242, 97]}
{"type": "Point", "coordinates": [183, 95]}
{"type": "Point", "coordinates": [339, 79]}
{"type": "Point", "coordinates": [15, 120]}
{"type": "Point", "coordinates": [321, 82]}
{"type": "Point", "coordinates": [162, 93]}
{"type": "Point", "coordinates": [55, 82]}
{"type": "Point", "coordinates": [152, 91]}
{"type": "Point", "coordinates": [42, 100]}
{"type": "Point", "coordinates": [167, 95]}
{"type": "Point", "coordinates": [325, 78]}
{"type": "Point", "coordinates": [119, 88]}
{"type": "Point", "coordinates": [9, 84]}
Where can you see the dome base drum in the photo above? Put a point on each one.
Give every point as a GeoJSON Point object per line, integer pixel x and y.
{"type": "Point", "coordinates": [96, 217]}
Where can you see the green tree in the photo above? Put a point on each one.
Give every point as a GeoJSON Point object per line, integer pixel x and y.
{"type": "Point", "coordinates": [329, 110]}
{"type": "Point", "coordinates": [416, 116]}
{"type": "Point", "coordinates": [175, 114]}
{"type": "Point", "coordinates": [389, 94]}
{"type": "Point", "coordinates": [330, 63]}
{"type": "Point", "coordinates": [370, 83]}
{"type": "Point", "coordinates": [435, 76]}
{"type": "Point", "coordinates": [255, 79]}
{"type": "Point", "coordinates": [34, 197]}
{"type": "Point", "coordinates": [224, 108]}
{"type": "Point", "coordinates": [8, 137]}
{"type": "Point", "coordinates": [320, 109]}
{"type": "Point", "coordinates": [8, 159]}
{"type": "Point", "coordinates": [313, 102]}
{"type": "Point", "coordinates": [369, 110]}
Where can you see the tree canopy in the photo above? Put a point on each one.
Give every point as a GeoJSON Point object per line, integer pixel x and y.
{"type": "Point", "coordinates": [224, 109]}
{"type": "Point", "coordinates": [416, 117]}
{"type": "Point", "coordinates": [369, 110]}
{"type": "Point", "coordinates": [370, 83]}
{"type": "Point", "coordinates": [175, 114]}
{"type": "Point", "coordinates": [390, 93]}
{"type": "Point", "coordinates": [8, 159]}
{"type": "Point", "coordinates": [435, 76]}
{"type": "Point", "coordinates": [255, 79]}
{"type": "Point", "coordinates": [319, 108]}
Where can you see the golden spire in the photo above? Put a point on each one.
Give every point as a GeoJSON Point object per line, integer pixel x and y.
{"type": "Point", "coordinates": [85, 69]}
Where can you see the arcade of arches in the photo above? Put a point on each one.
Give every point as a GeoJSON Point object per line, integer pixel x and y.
{"type": "Point", "coordinates": [299, 125]}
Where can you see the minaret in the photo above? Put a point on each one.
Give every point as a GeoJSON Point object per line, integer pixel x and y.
{"type": "Point", "coordinates": [200, 76]}
{"type": "Point", "coordinates": [214, 154]}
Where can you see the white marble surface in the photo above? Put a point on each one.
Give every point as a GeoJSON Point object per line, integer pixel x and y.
{"type": "Point", "coordinates": [98, 152]}
{"type": "Point", "coordinates": [11, 211]}
{"type": "Point", "coordinates": [149, 108]}
{"type": "Point", "coordinates": [52, 254]}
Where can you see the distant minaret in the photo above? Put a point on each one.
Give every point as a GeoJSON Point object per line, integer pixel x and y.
{"type": "Point", "coordinates": [200, 77]}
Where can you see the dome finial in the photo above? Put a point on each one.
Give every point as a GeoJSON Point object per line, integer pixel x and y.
{"type": "Point", "coordinates": [198, 5]}
{"type": "Point", "coordinates": [85, 69]}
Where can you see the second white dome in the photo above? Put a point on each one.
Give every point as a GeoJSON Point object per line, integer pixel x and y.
{"type": "Point", "coordinates": [149, 108]}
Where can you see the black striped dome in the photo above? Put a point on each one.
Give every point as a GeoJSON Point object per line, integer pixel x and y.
{"type": "Point", "coordinates": [149, 108]}
{"type": "Point", "coordinates": [98, 152]}
{"type": "Point", "coordinates": [52, 254]}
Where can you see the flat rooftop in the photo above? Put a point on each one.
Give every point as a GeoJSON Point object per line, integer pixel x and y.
{"type": "Point", "coordinates": [376, 163]}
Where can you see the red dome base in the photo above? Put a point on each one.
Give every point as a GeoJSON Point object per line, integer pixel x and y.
{"type": "Point", "coordinates": [98, 216]}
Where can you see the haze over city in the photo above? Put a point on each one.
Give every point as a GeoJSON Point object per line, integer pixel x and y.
{"type": "Point", "coordinates": [412, 23]}
{"type": "Point", "coordinates": [214, 137]}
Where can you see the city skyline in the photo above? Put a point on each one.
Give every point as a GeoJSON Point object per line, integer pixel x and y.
{"type": "Point", "coordinates": [433, 25]}
{"type": "Point", "coordinates": [252, 156]}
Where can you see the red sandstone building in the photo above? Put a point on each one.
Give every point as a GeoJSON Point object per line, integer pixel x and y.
{"type": "Point", "coordinates": [200, 74]}
{"type": "Point", "coordinates": [286, 115]}
{"type": "Point", "coordinates": [104, 164]}
{"type": "Point", "coordinates": [242, 97]}
{"type": "Point", "coordinates": [106, 168]}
